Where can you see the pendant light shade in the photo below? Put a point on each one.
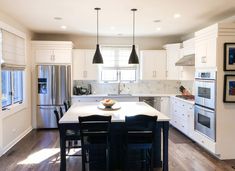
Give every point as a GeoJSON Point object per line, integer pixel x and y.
{"type": "Point", "coordinates": [97, 59]}
{"type": "Point", "coordinates": [133, 57]}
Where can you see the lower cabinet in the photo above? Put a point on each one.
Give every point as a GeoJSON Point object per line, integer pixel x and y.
{"type": "Point", "coordinates": [164, 105]}
{"type": "Point", "coordinates": [204, 142]}
{"type": "Point", "coordinates": [182, 116]}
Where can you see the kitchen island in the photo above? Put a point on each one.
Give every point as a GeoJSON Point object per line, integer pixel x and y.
{"type": "Point", "coordinates": [70, 119]}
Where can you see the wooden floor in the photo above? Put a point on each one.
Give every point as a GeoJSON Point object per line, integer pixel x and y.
{"type": "Point", "coordinates": [39, 151]}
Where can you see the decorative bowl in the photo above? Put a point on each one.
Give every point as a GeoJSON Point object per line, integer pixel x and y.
{"type": "Point", "coordinates": [108, 103]}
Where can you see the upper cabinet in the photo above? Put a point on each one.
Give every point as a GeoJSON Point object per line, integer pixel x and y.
{"type": "Point", "coordinates": [83, 69]}
{"type": "Point", "coordinates": [173, 55]}
{"type": "Point", "coordinates": [188, 47]}
{"type": "Point", "coordinates": [205, 47]}
{"type": "Point", "coordinates": [153, 65]}
{"type": "Point", "coordinates": [52, 52]}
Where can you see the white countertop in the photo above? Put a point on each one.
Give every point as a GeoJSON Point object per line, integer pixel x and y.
{"type": "Point", "coordinates": [127, 109]}
{"type": "Point", "coordinates": [184, 100]}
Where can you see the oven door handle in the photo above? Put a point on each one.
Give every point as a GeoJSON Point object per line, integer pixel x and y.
{"type": "Point", "coordinates": [203, 81]}
{"type": "Point", "coordinates": [203, 108]}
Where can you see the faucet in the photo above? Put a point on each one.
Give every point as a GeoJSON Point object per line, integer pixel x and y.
{"type": "Point", "coordinates": [119, 88]}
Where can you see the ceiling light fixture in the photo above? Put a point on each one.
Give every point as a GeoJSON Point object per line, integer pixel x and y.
{"type": "Point", "coordinates": [158, 28]}
{"type": "Point", "coordinates": [57, 18]}
{"type": "Point", "coordinates": [97, 59]}
{"type": "Point", "coordinates": [156, 21]}
{"type": "Point", "coordinates": [133, 57]}
{"type": "Point", "coordinates": [63, 27]}
{"type": "Point", "coordinates": [177, 15]}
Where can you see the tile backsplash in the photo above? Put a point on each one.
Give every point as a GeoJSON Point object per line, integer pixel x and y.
{"type": "Point", "coordinates": [145, 87]}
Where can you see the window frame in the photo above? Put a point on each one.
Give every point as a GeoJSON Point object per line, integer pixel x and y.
{"type": "Point", "coordinates": [14, 103]}
{"type": "Point", "coordinates": [119, 68]}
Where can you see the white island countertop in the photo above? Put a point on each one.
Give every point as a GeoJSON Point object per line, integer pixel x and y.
{"type": "Point", "coordinates": [127, 109]}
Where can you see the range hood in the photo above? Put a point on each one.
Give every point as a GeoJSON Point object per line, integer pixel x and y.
{"type": "Point", "coordinates": [188, 60]}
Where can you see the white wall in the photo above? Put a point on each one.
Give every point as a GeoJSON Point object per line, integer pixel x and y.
{"type": "Point", "coordinates": [16, 123]}
{"type": "Point", "coordinates": [89, 42]}
{"type": "Point", "coordinates": [225, 120]}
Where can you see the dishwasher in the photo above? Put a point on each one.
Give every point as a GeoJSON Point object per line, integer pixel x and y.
{"type": "Point", "coordinates": [155, 102]}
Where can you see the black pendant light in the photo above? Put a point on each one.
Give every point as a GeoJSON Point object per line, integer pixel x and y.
{"type": "Point", "coordinates": [133, 57]}
{"type": "Point", "coordinates": [97, 59]}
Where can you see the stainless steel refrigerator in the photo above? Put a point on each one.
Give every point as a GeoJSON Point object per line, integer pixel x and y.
{"type": "Point", "coordinates": [53, 89]}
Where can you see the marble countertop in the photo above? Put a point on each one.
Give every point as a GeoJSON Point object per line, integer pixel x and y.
{"type": "Point", "coordinates": [127, 109]}
{"type": "Point", "coordinates": [184, 100]}
{"type": "Point", "coordinates": [125, 95]}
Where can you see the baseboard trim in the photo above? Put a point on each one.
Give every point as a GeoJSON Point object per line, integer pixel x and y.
{"type": "Point", "coordinates": [16, 140]}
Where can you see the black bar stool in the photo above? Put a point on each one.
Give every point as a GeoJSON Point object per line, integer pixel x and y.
{"type": "Point", "coordinates": [67, 105]}
{"type": "Point", "coordinates": [95, 138]}
{"type": "Point", "coordinates": [71, 136]}
{"type": "Point", "coordinates": [139, 140]}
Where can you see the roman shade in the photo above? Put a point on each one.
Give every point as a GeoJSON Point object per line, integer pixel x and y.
{"type": "Point", "coordinates": [12, 50]}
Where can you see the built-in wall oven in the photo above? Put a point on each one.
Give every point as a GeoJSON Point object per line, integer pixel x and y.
{"type": "Point", "coordinates": [205, 95]}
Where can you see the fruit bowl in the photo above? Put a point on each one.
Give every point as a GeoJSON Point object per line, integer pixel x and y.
{"type": "Point", "coordinates": [108, 103]}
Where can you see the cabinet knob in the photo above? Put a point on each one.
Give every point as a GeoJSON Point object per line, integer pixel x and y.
{"type": "Point", "coordinates": [203, 59]}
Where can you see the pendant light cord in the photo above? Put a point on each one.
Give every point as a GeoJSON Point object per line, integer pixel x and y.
{"type": "Point", "coordinates": [133, 27]}
{"type": "Point", "coordinates": [97, 37]}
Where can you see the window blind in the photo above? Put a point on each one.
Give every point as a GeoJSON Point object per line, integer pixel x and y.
{"type": "Point", "coordinates": [13, 49]}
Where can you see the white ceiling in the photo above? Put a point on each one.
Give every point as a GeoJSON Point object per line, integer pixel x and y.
{"type": "Point", "coordinates": [115, 16]}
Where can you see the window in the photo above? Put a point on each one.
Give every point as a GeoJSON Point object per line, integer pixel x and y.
{"type": "Point", "coordinates": [12, 87]}
{"type": "Point", "coordinates": [116, 67]}
{"type": "Point", "coordinates": [6, 88]}
{"type": "Point", "coordinates": [17, 86]}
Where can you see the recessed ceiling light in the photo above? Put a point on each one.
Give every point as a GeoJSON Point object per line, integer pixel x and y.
{"type": "Point", "coordinates": [57, 18]}
{"type": "Point", "coordinates": [158, 28]}
{"type": "Point", "coordinates": [156, 21]}
{"type": "Point", "coordinates": [176, 15]}
{"type": "Point", "coordinates": [112, 28]}
{"type": "Point", "coordinates": [63, 27]}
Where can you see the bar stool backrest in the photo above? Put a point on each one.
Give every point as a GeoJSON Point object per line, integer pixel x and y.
{"type": "Point", "coordinates": [140, 126]}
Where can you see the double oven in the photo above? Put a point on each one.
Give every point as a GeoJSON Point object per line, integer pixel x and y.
{"type": "Point", "coordinates": [205, 95]}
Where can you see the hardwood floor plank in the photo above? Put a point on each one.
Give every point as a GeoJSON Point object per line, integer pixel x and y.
{"type": "Point", "coordinates": [39, 151]}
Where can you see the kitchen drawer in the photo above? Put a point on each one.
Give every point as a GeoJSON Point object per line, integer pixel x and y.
{"type": "Point", "coordinates": [204, 141]}
{"type": "Point", "coordinates": [180, 113]}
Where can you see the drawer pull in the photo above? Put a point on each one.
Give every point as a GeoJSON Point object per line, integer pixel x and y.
{"type": "Point", "coordinates": [203, 142]}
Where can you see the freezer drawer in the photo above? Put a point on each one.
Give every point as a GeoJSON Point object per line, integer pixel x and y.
{"type": "Point", "coordinates": [46, 117]}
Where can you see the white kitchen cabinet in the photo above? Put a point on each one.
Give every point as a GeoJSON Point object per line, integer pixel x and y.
{"type": "Point", "coordinates": [204, 141]}
{"type": "Point", "coordinates": [173, 54]}
{"type": "Point", "coordinates": [205, 48]}
{"type": "Point", "coordinates": [182, 116]}
{"type": "Point", "coordinates": [164, 106]}
{"type": "Point", "coordinates": [83, 69]}
{"type": "Point", "coordinates": [52, 52]}
{"type": "Point", "coordinates": [188, 47]}
{"type": "Point", "coordinates": [153, 65]}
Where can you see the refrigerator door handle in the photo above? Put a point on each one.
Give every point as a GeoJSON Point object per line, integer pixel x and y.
{"type": "Point", "coordinates": [40, 107]}
{"type": "Point", "coordinates": [52, 85]}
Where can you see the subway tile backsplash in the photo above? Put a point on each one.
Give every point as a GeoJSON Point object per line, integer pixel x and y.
{"type": "Point", "coordinates": [145, 87]}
